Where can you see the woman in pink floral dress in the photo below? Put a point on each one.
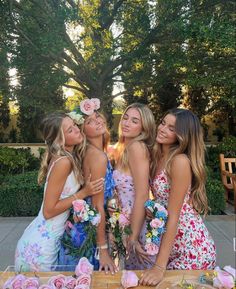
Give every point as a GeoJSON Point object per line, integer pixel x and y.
{"type": "Point", "coordinates": [131, 176]}
{"type": "Point", "coordinates": [179, 183]}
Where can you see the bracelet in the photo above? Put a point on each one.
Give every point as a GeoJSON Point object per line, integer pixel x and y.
{"type": "Point", "coordinates": [97, 251]}
{"type": "Point", "coordinates": [105, 246]}
{"type": "Point", "coordinates": [74, 196]}
{"type": "Point", "coordinates": [160, 268]}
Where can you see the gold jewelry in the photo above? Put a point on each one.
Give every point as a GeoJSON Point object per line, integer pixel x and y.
{"type": "Point", "coordinates": [74, 196]}
{"type": "Point", "coordinates": [160, 268]}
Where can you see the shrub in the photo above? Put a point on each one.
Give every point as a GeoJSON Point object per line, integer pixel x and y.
{"type": "Point", "coordinates": [20, 195]}
{"type": "Point", "coordinates": [215, 195]}
{"type": "Point", "coordinates": [15, 161]}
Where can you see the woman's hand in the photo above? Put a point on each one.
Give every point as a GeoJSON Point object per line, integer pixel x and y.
{"type": "Point", "coordinates": [151, 277]}
{"type": "Point", "coordinates": [106, 262]}
{"type": "Point", "coordinates": [92, 187]}
{"type": "Point", "coordinates": [136, 248]}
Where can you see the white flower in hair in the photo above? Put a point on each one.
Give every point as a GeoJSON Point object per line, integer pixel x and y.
{"type": "Point", "coordinates": [88, 106]}
{"type": "Point", "coordinates": [77, 118]}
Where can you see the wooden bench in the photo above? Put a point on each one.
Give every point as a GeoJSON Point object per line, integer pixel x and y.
{"type": "Point", "coordinates": [228, 176]}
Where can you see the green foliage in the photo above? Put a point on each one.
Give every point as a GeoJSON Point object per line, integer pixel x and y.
{"type": "Point", "coordinates": [15, 161]}
{"type": "Point", "coordinates": [20, 195]}
{"type": "Point", "coordinates": [215, 196]}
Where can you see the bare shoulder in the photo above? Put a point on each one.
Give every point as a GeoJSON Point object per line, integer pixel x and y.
{"type": "Point", "coordinates": [62, 166]}
{"type": "Point", "coordinates": [180, 162]}
{"type": "Point", "coordinates": [95, 156]}
{"type": "Point", "coordinates": [137, 147]}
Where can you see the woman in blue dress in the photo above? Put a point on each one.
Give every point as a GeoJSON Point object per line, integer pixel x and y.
{"type": "Point", "coordinates": [95, 165]}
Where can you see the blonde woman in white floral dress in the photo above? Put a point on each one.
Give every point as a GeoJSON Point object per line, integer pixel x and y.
{"type": "Point", "coordinates": [179, 182]}
{"type": "Point", "coordinates": [37, 249]}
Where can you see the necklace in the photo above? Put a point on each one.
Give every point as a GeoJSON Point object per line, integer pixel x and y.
{"type": "Point", "coordinates": [96, 147]}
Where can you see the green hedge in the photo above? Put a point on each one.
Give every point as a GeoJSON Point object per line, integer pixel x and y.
{"type": "Point", "coordinates": [20, 195]}
{"type": "Point", "coordinates": [16, 161]}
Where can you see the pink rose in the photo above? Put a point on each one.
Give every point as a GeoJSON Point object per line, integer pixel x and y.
{"type": "Point", "coordinates": [123, 220]}
{"type": "Point", "coordinates": [31, 283]}
{"type": "Point", "coordinates": [57, 281]}
{"type": "Point", "coordinates": [15, 282]}
{"type": "Point", "coordinates": [156, 223]}
{"type": "Point", "coordinates": [151, 248]}
{"type": "Point", "coordinates": [96, 102]}
{"type": "Point", "coordinates": [46, 286]}
{"type": "Point", "coordinates": [87, 106]}
{"type": "Point", "coordinates": [83, 279]}
{"type": "Point", "coordinates": [223, 280]}
{"type": "Point", "coordinates": [79, 206]}
{"type": "Point", "coordinates": [129, 279]}
{"type": "Point", "coordinates": [70, 282]}
{"type": "Point", "coordinates": [83, 267]}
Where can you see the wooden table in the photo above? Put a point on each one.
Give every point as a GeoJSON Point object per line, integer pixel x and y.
{"type": "Point", "coordinates": [100, 280]}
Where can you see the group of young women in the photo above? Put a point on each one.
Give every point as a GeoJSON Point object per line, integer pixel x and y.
{"type": "Point", "coordinates": [167, 159]}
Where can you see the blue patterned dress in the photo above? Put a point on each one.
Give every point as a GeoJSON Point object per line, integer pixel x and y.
{"type": "Point", "coordinates": [76, 232]}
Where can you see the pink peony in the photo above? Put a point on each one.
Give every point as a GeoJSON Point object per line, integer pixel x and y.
{"type": "Point", "coordinates": [83, 267]}
{"type": "Point", "coordinates": [31, 283]}
{"type": "Point", "coordinates": [70, 282]}
{"type": "Point", "coordinates": [57, 281]}
{"type": "Point", "coordinates": [156, 223]}
{"type": "Point", "coordinates": [96, 102]}
{"type": "Point", "coordinates": [83, 279]}
{"type": "Point", "coordinates": [223, 280]}
{"type": "Point", "coordinates": [151, 248]}
{"type": "Point", "coordinates": [79, 206]}
{"type": "Point", "coordinates": [129, 279]}
{"type": "Point", "coordinates": [15, 282]}
{"type": "Point", "coordinates": [87, 106]}
{"type": "Point", "coordinates": [123, 220]}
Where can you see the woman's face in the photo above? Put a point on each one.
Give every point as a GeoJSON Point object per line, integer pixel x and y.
{"type": "Point", "coordinates": [71, 132]}
{"type": "Point", "coordinates": [94, 125]}
{"type": "Point", "coordinates": [166, 130]}
{"type": "Point", "coordinates": [131, 123]}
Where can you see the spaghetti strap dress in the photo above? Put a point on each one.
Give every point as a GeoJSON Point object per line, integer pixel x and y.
{"type": "Point", "coordinates": [37, 249]}
{"type": "Point", "coordinates": [193, 247]}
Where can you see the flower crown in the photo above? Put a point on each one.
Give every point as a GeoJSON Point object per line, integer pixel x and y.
{"type": "Point", "coordinates": [86, 107]}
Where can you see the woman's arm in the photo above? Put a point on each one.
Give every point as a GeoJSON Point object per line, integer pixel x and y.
{"type": "Point", "coordinates": [139, 168]}
{"type": "Point", "coordinates": [52, 205]}
{"type": "Point", "coordinates": [180, 183]}
{"type": "Point", "coordinates": [95, 163]}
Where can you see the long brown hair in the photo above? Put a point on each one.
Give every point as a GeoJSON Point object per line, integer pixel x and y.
{"type": "Point", "coordinates": [190, 142]}
{"type": "Point", "coordinates": [52, 133]}
{"type": "Point", "coordinates": [147, 136]}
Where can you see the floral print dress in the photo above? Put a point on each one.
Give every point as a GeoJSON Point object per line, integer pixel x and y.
{"type": "Point", "coordinates": [75, 232]}
{"type": "Point", "coordinates": [37, 249]}
{"type": "Point", "coordinates": [193, 248]}
{"type": "Point", "coordinates": [125, 191]}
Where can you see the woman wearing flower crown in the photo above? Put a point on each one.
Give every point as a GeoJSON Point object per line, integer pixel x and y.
{"type": "Point", "coordinates": [37, 249]}
{"type": "Point", "coordinates": [95, 163]}
{"type": "Point", "coordinates": [131, 176]}
{"type": "Point", "coordinates": [178, 181]}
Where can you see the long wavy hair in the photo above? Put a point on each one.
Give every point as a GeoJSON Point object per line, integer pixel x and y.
{"type": "Point", "coordinates": [52, 133]}
{"type": "Point", "coordinates": [190, 142]}
{"type": "Point", "coordinates": [147, 136]}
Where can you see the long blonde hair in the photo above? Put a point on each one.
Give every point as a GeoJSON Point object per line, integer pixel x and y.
{"type": "Point", "coordinates": [55, 146]}
{"type": "Point", "coordinates": [147, 136]}
{"type": "Point", "coordinates": [190, 142]}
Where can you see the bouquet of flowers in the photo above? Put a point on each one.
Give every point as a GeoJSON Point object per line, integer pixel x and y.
{"type": "Point", "coordinates": [118, 225]}
{"type": "Point", "coordinates": [80, 238]}
{"type": "Point", "coordinates": [155, 226]}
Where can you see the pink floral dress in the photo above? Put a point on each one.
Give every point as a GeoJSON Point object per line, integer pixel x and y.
{"type": "Point", "coordinates": [193, 247]}
{"type": "Point", "coordinates": [125, 190]}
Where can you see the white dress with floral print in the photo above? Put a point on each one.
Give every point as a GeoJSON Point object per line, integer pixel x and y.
{"type": "Point", "coordinates": [37, 249]}
{"type": "Point", "coordinates": [193, 248]}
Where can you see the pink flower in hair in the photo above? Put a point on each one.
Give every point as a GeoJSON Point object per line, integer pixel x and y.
{"type": "Point", "coordinates": [87, 106]}
{"type": "Point", "coordinates": [96, 102]}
